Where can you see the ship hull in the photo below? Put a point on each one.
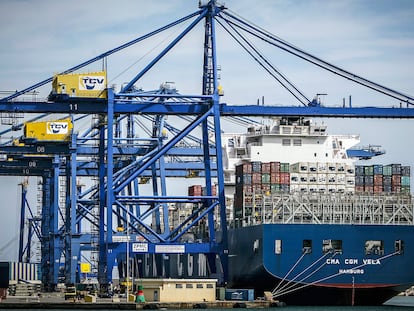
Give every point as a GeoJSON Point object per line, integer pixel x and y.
{"type": "Point", "coordinates": [294, 261]}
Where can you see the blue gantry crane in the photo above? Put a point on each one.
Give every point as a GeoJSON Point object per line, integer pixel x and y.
{"type": "Point", "coordinates": [123, 209]}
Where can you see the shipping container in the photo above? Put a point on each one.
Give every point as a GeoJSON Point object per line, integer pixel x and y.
{"type": "Point", "coordinates": [266, 178]}
{"type": "Point", "coordinates": [244, 168]}
{"type": "Point", "coordinates": [405, 171]}
{"type": "Point", "coordinates": [275, 188]}
{"type": "Point", "coordinates": [322, 167]}
{"type": "Point", "coordinates": [387, 170]}
{"type": "Point", "coordinates": [368, 170]}
{"type": "Point", "coordinates": [396, 169]}
{"type": "Point", "coordinates": [312, 167]}
{"type": "Point", "coordinates": [266, 189]}
{"type": "Point", "coordinates": [256, 167]}
{"type": "Point", "coordinates": [274, 167]}
{"type": "Point", "coordinates": [378, 180]}
{"type": "Point", "coordinates": [359, 170]}
{"type": "Point", "coordinates": [275, 178]}
{"type": "Point", "coordinates": [285, 178]}
{"type": "Point", "coordinates": [195, 190]}
{"type": "Point", "coordinates": [378, 169]}
{"type": "Point", "coordinates": [396, 180]}
{"type": "Point", "coordinates": [284, 167]}
{"type": "Point", "coordinates": [405, 180]}
{"type": "Point", "coordinates": [266, 168]}
{"type": "Point", "coordinates": [350, 169]}
{"type": "Point", "coordinates": [340, 167]}
{"type": "Point", "coordinates": [312, 178]}
{"type": "Point", "coordinates": [331, 167]}
{"type": "Point", "coordinates": [322, 178]}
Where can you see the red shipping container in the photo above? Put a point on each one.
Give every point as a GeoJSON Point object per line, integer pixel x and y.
{"type": "Point", "coordinates": [257, 188]}
{"type": "Point", "coordinates": [285, 178]}
{"type": "Point", "coordinates": [396, 189]}
{"type": "Point", "coordinates": [275, 178]}
{"type": "Point", "coordinates": [195, 190]}
{"type": "Point", "coordinates": [244, 168]}
{"type": "Point", "coordinates": [359, 188]}
{"type": "Point", "coordinates": [256, 178]}
{"type": "Point", "coordinates": [266, 188]}
{"type": "Point", "coordinates": [369, 189]}
{"type": "Point", "coordinates": [274, 167]}
{"type": "Point", "coordinates": [378, 189]}
{"type": "Point", "coordinates": [266, 168]}
{"type": "Point", "coordinates": [378, 180]}
{"type": "Point", "coordinates": [396, 180]}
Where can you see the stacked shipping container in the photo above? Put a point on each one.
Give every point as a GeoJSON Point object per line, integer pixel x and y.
{"type": "Point", "coordinates": [254, 179]}
{"type": "Point", "coordinates": [322, 177]}
{"type": "Point", "coordinates": [393, 178]}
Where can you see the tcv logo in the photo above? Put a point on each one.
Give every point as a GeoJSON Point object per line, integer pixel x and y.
{"type": "Point", "coordinates": [92, 83]}
{"type": "Point", "coordinates": [57, 128]}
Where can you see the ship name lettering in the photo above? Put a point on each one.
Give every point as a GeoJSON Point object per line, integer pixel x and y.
{"type": "Point", "coordinates": [371, 261]}
{"type": "Point", "coordinates": [332, 261]}
{"type": "Point", "coordinates": [351, 261]}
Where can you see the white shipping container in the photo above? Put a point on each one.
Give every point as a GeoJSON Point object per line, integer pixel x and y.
{"type": "Point", "coordinates": [340, 167]}
{"type": "Point", "coordinates": [322, 188]}
{"type": "Point", "coordinates": [350, 181]}
{"type": "Point", "coordinates": [340, 188]}
{"type": "Point", "coordinates": [322, 179]}
{"type": "Point", "coordinates": [312, 178]}
{"type": "Point", "coordinates": [340, 179]}
{"type": "Point", "coordinates": [312, 167]}
{"type": "Point", "coordinates": [303, 178]}
{"type": "Point", "coordinates": [331, 188]}
{"type": "Point", "coordinates": [299, 167]}
{"type": "Point", "coordinates": [294, 178]}
{"type": "Point", "coordinates": [331, 167]}
{"type": "Point", "coordinates": [349, 189]}
{"type": "Point", "coordinates": [350, 169]}
{"type": "Point", "coordinates": [322, 167]}
{"type": "Point", "coordinates": [331, 179]}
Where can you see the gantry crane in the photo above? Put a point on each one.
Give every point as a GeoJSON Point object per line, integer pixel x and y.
{"type": "Point", "coordinates": [116, 215]}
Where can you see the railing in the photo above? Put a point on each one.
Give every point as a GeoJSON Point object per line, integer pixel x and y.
{"type": "Point", "coordinates": [351, 208]}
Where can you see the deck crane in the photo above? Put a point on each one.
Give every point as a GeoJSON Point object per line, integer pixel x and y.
{"type": "Point", "coordinates": [117, 199]}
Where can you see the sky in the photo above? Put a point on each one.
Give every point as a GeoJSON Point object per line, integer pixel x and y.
{"type": "Point", "coordinates": [374, 39]}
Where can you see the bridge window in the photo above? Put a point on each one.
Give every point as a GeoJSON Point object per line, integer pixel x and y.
{"type": "Point", "coordinates": [297, 142]}
{"type": "Point", "coordinates": [286, 142]}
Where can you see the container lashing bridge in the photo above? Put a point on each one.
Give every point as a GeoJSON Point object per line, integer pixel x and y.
{"type": "Point", "coordinates": [123, 211]}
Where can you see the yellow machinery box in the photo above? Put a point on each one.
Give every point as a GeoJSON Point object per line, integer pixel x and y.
{"type": "Point", "coordinates": [59, 130]}
{"type": "Point", "coordinates": [90, 85]}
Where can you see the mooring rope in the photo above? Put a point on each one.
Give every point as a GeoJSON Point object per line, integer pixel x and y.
{"type": "Point", "coordinates": [331, 276]}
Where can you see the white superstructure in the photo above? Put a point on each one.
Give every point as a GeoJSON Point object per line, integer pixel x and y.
{"type": "Point", "coordinates": [289, 140]}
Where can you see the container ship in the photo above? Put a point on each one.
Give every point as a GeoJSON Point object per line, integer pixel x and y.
{"type": "Point", "coordinates": [311, 227]}
{"type": "Point", "coordinates": [305, 223]}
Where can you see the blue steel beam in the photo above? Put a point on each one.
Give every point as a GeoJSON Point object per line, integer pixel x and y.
{"type": "Point", "coordinates": [153, 108]}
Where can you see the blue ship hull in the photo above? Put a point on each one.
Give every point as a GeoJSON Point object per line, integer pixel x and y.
{"type": "Point", "coordinates": [323, 264]}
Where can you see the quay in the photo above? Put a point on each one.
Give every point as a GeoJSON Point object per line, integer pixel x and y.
{"type": "Point", "coordinates": [105, 303]}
